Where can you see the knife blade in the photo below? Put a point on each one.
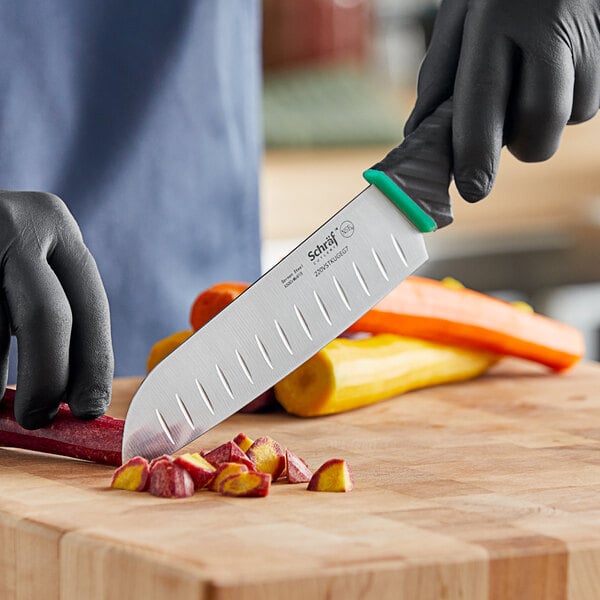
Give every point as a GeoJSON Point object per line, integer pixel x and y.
{"type": "Point", "coordinates": [307, 299]}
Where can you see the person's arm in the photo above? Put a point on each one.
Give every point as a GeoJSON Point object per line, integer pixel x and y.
{"type": "Point", "coordinates": [519, 71]}
{"type": "Point", "coordinates": [54, 302]}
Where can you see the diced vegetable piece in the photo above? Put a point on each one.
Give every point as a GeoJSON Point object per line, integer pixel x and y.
{"type": "Point", "coordinates": [431, 310]}
{"type": "Point", "coordinates": [133, 475]}
{"type": "Point", "coordinates": [247, 485]}
{"type": "Point", "coordinates": [163, 458]}
{"type": "Point", "coordinates": [229, 452]}
{"type": "Point", "coordinates": [243, 441]}
{"type": "Point", "coordinates": [333, 475]}
{"type": "Point", "coordinates": [297, 469]}
{"type": "Point", "coordinates": [164, 347]}
{"type": "Point", "coordinates": [223, 471]}
{"type": "Point", "coordinates": [268, 456]}
{"type": "Point", "coordinates": [212, 301]}
{"type": "Point", "coordinates": [198, 467]}
{"type": "Point", "coordinates": [168, 480]}
{"type": "Point", "coordinates": [348, 374]}
{"type": "Point", "coordinates": [98, 441]}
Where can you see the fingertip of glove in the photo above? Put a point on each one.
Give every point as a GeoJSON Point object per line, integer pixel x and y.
{"type": "Point", "coordinates": [35, 418]}
{"type": "Point", "coordinates": [89, 413]}
{"type": "Point", "coordinates": [474, 185]}
{"type": "Point", "coordinates": [89, 404]}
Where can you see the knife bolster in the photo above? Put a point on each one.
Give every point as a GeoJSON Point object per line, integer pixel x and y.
{"type": "Point", "coordinates": [414, 213]}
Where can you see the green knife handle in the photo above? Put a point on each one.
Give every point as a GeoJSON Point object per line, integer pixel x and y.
{"type": "Point", "coordinates": [416, 174]}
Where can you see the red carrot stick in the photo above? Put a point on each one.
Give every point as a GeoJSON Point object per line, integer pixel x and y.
{"type": "Point", "coordinates": [98, 441]}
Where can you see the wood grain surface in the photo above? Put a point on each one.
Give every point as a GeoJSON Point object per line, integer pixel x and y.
{"type": "Point", "coordinates": [485, 490]}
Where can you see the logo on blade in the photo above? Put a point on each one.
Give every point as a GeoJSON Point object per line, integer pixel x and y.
{"type": "Point", "coordinates": [324, 247]}
{"type": "Point", "coordinates": [347, 229]}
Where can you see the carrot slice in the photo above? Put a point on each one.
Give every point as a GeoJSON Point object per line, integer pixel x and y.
{"type": "Point", "coordinates": [428, 309]}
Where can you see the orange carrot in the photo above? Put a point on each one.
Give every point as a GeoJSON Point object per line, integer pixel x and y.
{"type": "Point", "coordinates": [430, 310]}
{"type": "Point", "coordinates": [212, 301]}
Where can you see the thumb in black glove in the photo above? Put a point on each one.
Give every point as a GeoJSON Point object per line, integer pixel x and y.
{"type": "Point", "coordinates": [519, 71]}
{"type": "Point", "coordinates": [54, 302]}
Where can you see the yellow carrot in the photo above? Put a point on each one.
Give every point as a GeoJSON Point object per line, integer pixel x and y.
{"type": "Point", "coordinates": [348, 374]}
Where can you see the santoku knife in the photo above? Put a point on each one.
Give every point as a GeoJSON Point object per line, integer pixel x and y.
{"type": "Point", "coordinates": [310, 297]}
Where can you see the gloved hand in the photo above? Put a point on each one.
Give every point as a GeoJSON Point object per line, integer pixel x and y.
{"type": "Point", "coordinates": [519, 71]}
{"type": "Point", "coordinates": [54, 302]}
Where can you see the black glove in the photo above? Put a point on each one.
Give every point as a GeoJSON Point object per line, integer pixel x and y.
{"type": "Point", "coordinates": [519, 71]}
{"type": "Point", "coordinates": [54, 302]}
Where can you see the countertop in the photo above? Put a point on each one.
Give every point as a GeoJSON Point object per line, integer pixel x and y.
{"type": "Point", "coordinates": [482, 490]}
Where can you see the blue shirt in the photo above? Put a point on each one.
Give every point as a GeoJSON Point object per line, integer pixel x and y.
{"type": "Point", "coordinates": [144, 117]}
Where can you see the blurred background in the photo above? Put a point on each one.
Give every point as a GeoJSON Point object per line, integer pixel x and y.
{"type": "Point", "coordinates": [339, 83]}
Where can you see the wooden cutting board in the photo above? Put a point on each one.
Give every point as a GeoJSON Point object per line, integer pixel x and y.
{"type": "Point", "coordinates": [483, 490]}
